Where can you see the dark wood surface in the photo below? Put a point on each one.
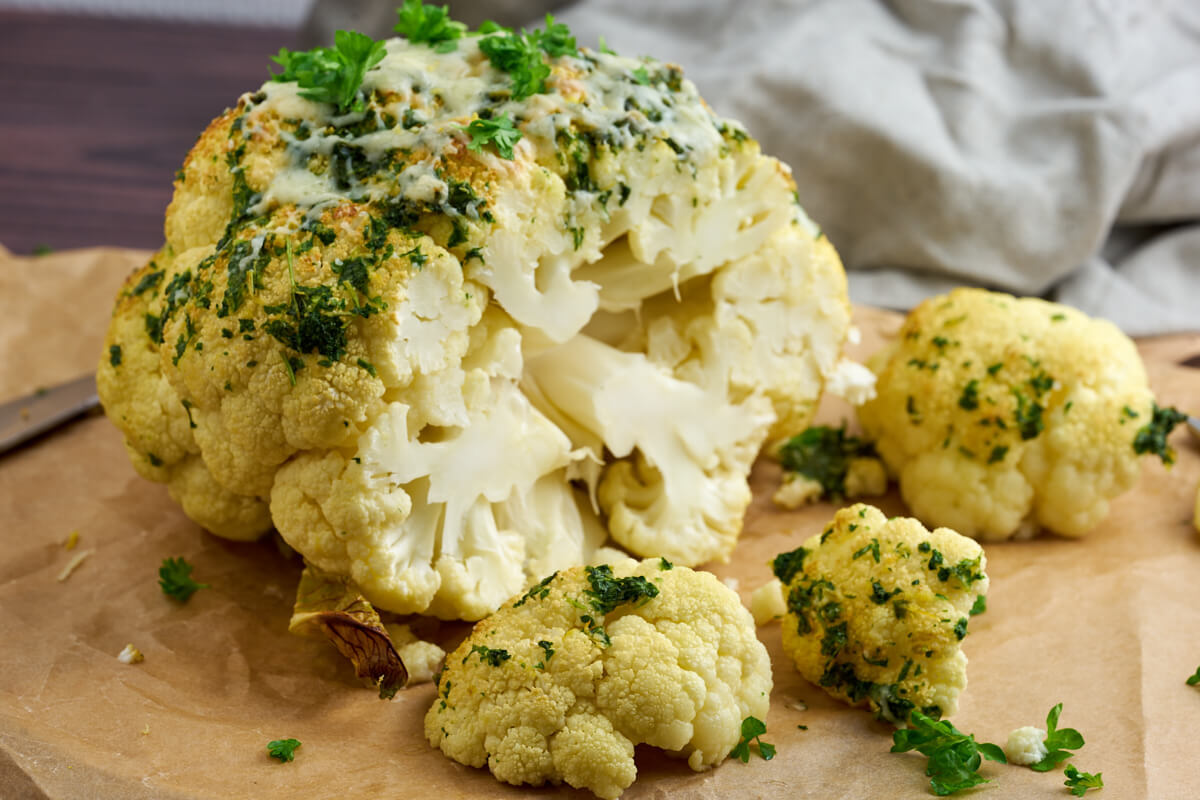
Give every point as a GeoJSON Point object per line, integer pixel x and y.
{"type": "Point", "coordinates": [97, 113]}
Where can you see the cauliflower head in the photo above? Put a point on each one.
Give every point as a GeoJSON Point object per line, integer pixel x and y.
{"type": "Point", "coordinates": [563, 681]}
{"type": "Point", "coordinates": [1001, 416]}
{"type": "Point", "coordinates": [442, 368]}
{"type": "Point", "coordinates": [877, 609]}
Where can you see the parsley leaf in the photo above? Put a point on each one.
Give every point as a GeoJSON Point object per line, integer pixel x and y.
{"type": "Point", "coordinates": [823, 454]}
{"type": "Point", "coordinates": [752, 729]}
{"type": "Point", "coordinates": [1152, 437]}
{"type": "Point", "coordinates": [1079, 782]}
{"type": "Point", "coordinates": [332, 74]}
{"type": "Point", "coordinates": [283, 749]}
{"type": "Point", "coordinates": [640, 76]}
{"type": "Point", "coordinates": [431, 25]}
{"type": "Point", "coordinates": [608, 592]}
{"type": "Point", "coordinates": [954, 757]}
{"type": "Point", "coordinates": [501, 133]}
{"type": "Point", "coordinates": [980, 605]}
{"type": "Point", "coordinates": [1058, 742]}
{"type": "Point", "coordinates": [520, 54]}
{"type": "Point", "coordinates": [175, 578]}
{"type": "Point", "coordinates": [1194, 679]}
{"type": "Point", "coordinates": [555, 39]}
{"type": "Point", "coordinates": [487, 655]}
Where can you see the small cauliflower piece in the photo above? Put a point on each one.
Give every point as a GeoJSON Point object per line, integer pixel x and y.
{"type": "Point", "coordinates": [422, 659]}
{"type": "Point", "coordinates": [1026, 746]}
{"type": "Point", "coordinates": [1000, 416]}
{"type": "Point", "coordinates": [767, 603]}
{"type": "Point", "coordinates": [562, 682]}
{"type": "Point", "coordinates": [878, 608]}
{"type": "Point", "coordinates": [130, 655]}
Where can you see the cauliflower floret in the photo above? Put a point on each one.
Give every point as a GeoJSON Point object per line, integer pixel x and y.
{"type": "Point", "coordinates": [441, 372]}
{"type": "Point", "coordinates": [1026, 746]}
{"type": "Point", "coordinates": [877, 610]}
{"type": "Point", "coordinates": [767, 603]}
{"type": "Point", "coordinates": [422, 659]}
{"type": "Point", "coordinates": [562, 682]}
{"type": "Point", "coordinates": [1001, 415]}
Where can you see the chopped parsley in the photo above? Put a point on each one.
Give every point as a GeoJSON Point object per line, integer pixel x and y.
{"type": "Point", "coordinates": [283, 749]}
{"type": "Point", "coordinates": [114, 355]}
{"type": "Point", "coordinates": [879, 595]}
{"type": "Point", "coordinates": [608, 592]}
{"type": "Point", "coordinates": [786, 565]}
{"type": "Point", "coordinates": [960, 629]}
{"type": "Point", "coordinates": [538, 591]}
{"type": "Point", "coordinates": [1152, 437]}
{"type": "Point", "coordinates": [548, 649]}
{"type": "Point", "coordinates": [823, 454]}
{"type": "Point", "coordinates": [175, 579]}
{"type": "Point", "coordinates": [998, 453]}
{"type": "Point", "coordinates": [487, 655]}
{"type": "Point", "coordinates": [980, 605]}
{"type": "Point", "coordinates": [1194, 680]}
{"type": "Point", "coordinates": [1058, 742]}
{"type": "Point", "coordinates": [332, 74]}
{"type": "Point", "coordinates": [429, 24]}
{"type": "Point", "coordinates": [969, 400]}
{"type": "Point", "coordinates": [663, 564]}
{"type": "Point", "coordinates": [501, 133]}
{"type": "Point", "coordinates": [872, 548]}
{"type": "Point", "coordinates": [954, 757]}
{"type": "Point", "coordinates": [752, 730]}
{"type": "Point", "coordinates": [1079, 782]}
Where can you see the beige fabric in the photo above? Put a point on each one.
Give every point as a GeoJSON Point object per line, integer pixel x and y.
{"type": "Point", "coordinates": [948, 142]}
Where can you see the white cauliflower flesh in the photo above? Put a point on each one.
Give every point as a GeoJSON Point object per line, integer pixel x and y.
{"type": "Point", "coordinates": [564, 681]}
{"type": "Point", "coordinates": [1003, 416]}
{"type": "Point", "coordinates": [1026, 746]}
{"type": "Point", "coordinates": [877, 609]}
{"type": "Point", "coordinates": [442, 372]}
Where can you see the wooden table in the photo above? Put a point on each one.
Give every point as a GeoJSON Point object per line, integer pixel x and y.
{"type": "Point", "coordinates": [97, 113]}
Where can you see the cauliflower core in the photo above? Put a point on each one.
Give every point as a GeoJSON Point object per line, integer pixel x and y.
{"type": "Point", "coordinates": [442, 373]}
{"type": "Point", "coordinates": [1000, 415]}
{"type": "Point", "coordinates": [877, 609]}
{"type": "Point", "coordinates": [562, 682]}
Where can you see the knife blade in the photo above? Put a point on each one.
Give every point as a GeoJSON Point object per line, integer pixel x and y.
{"type": "Point", "coordinates": [26, 417]}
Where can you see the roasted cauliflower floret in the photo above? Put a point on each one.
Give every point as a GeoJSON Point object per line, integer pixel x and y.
{"type": "Point", "coordinates": [563, 681]}
{"type": "Point", "coordinates": [1001, 416]}
{"type": "Point", "coordinates": [446, 367]}
{"type": "Point", "coordinates": [878, 608]}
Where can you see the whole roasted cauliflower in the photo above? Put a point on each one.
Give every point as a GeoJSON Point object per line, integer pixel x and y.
{"type": "Point", "coordinates": [448, 330]}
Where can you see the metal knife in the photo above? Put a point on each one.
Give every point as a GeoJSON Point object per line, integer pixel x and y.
{"type": "Point", "coordinates": [26, 417]}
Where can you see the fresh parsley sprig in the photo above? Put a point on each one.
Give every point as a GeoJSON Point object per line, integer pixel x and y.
{"type": "Point", "coordinates": [283, 749]}
{"type": "Point", "coordinates": [752, 730]}
{"type": "Point", "coordinates": [954, 757]}
{"type": "Point", "coordinates": [1079, 782]}
{"type": "Point", "coordinates": [429, 24]}
{"type": "Point", "coordinates": [335, 74]}
{"type": "Point", "coordinates": [1058, 742]}
{"type": "Point", "coordinates": [520, 55]}
{"type": "Point", "coordinates": [500, 132]}
{"type": "Point", "coordinates": [175, 578]}
{"type": "Point", "coordinates": [1194, 679]}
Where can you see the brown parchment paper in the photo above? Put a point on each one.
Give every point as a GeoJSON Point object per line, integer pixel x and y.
{"type": "Point", "coordinates": [1108, 625]}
